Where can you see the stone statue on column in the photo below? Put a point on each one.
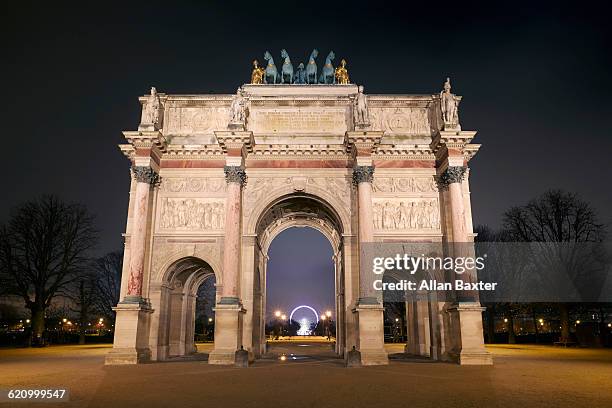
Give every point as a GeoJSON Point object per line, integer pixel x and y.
{"type": "Point", "coordinates": [360, 110]}
{"type": "Point", "coordinates": [237, 111]}
{"type": "Point", "coordinates": [152, 112]}
{"type": "Point", "coordinates": [449, 104]}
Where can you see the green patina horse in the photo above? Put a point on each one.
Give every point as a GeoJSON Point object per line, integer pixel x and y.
{"type": "Point", "coordinates": [327, 72]}
{"type": "Point", "coordinates": [311, 68]}
{"type": "Point", "coordinates": [271, 76]}
{"type": "Point", "coordinates": [287, 71]}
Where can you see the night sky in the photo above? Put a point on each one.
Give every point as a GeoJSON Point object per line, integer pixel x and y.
{"type": "Point", "coordinates": [300, 274]}
{"type": "Point", "coordinates": [535, 80]}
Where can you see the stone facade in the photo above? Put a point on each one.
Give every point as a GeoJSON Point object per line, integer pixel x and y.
{"type": "Point", "coordinates": [208, 197]}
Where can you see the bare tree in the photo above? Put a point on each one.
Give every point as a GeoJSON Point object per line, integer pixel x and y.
{"type": "Point", "coordinates": [107, 272]}
{"type": "Point", "coordinates": [509, 273]}
{"type": "Point", "coordinates": [43, 248]}
{"type": "Point", "coordinates": [557, 217]}
{"type": "Point", "coordinates": [83, 294]}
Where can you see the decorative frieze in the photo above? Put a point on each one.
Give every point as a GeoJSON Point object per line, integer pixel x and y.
{"type": "Point", "coordinates": [258, 187]}
{"type": "Point", "coordinates": [193, 185]}
{"type": "Point", "coordinates": [363, 174]}
{"type": "Point", "coordinates": [406, 214]}
{"type": "Point", "coordinates": [145, 174]}
{"type": "Point", "coordinates": [197, 120]}
{"type": "Point", "coordinates": [191, 214]}
{"type": "Point", "coordinates": [235, 174]}
{"type": "Point", "coordinates": [405, 185]}
{"type": "Point", "coordinates": [401, 120]}
{"type": "Point", "coordinates": [452, 174]}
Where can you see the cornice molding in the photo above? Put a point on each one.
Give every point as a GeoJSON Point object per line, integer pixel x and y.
{"type": "Point", "coordinates": [146, 139]}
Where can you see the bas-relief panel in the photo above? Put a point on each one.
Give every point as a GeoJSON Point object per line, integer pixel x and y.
{"type": "Point", "coordinates": [196, 120]}
{"type": "Point", "coordinates": [191, 214]}
{"type": "Point", "coordinates": [414, 121]}
{"type": "Point", "coordinates": [408, 214]}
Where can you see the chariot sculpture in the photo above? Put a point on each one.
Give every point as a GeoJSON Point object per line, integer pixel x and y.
{"type": "Point", "coordinates": [304, 74]}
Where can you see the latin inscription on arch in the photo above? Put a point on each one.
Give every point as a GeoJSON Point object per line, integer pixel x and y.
{"type": "Point", "coordinates": [298, 120]}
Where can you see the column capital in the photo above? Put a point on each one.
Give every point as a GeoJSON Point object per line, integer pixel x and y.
{"type": "Point", "coordinates": [363, 174]}
{"type": "Point", "coordinates": [235, 174]}
{"type": "Point", "coordinates": [452, 174]}
{"type": "Point", "coordinates": [145, 174]}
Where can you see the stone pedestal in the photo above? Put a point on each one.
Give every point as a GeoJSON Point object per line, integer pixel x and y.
{"type": "Point", "coordinates": [130, 345]}
{"type": "Point", "coordinates": [371, 334]}
{"type": "Point", "coordinates": [466, 321]}
{"type": "Point", "coordinates": [228, 329]}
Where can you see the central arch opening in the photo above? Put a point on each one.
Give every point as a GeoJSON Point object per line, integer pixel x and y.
{"type": "Point", "coordinates": [299, 262]}
{"type": "Point", "coordinates": [300, 284]}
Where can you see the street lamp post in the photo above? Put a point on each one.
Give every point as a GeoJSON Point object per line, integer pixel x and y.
{"type": "Point", "coordinates": [278, 315]}
{"type": "Point", "coordinates": [283, 320]}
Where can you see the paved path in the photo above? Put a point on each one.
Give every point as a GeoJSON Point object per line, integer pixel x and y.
{"type": "Point", "coordinates": [523, 376]}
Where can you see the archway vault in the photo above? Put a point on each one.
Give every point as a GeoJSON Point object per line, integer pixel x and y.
{"type": "Point", "coordinates": [334, 203]}
{"type": "Point", "coordinates": [299, 210]}
{"type": "Point", "coordinates": [174, 302]}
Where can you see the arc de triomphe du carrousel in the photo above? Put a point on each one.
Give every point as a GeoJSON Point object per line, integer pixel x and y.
{"type": "Point", "coordinates": [216, 177]}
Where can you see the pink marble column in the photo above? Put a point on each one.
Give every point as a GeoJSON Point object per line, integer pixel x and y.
{"type": "Point", "coordinates": [457, 212]}
{"type": "Point", "coordinates": [145, 177]}
{"type": "Point", "coordinates": [452, 179]}
{"type": "Point", "coordinates": [235, 177]}
{"type": "Point", "coordinates": [362, 177]}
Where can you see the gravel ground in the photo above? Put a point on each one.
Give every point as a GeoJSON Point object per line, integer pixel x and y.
{"type": "Point", "coordinates": [522, 376]}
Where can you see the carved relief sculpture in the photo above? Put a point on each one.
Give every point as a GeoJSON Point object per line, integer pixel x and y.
{"type": "Point", "coordinates": [407, 215]}
{"type": "Point", "coordinates": [192, 214]}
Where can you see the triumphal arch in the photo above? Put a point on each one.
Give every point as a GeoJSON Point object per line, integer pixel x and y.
{"type": "Point", "coordinates": [215, 177]}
